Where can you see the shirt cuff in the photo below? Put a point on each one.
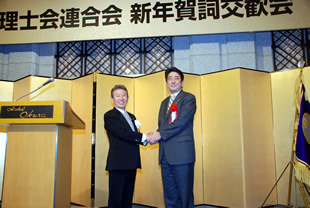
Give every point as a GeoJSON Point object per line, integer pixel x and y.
{"type": "Point", "coordinates": [143, 138]}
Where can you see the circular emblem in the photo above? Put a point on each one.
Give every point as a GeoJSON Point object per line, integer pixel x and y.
{"type": "Point", "coordinates": [306, 127]}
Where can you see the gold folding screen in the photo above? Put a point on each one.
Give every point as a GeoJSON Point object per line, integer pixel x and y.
{"type": "Point", "coordinates": [237, 138]}
{"type": "Point", "coordinates": [243, 124]}
{"type": "Point", "coordinates": [222, 148]}
{"type": "Point", "coordinates": [57, 90]}
{"type": "Point", "coordinates": [257, 136]}
{"type": "Point", "coordinates": [82, 103]}
{"type": "Point", "coordinates": [283, 108]}
{"type": "Point", "coordinates": [192, 84]}
{"type": "Point", "coordinates": [149, 92]}
{"type": "Point", "coordinates": [6, 91]}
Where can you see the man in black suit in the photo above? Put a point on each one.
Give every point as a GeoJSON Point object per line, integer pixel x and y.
{"type": "Point", "coordinates": [176, 142]}
{"type": "Point", "coordinates": [124, 153]}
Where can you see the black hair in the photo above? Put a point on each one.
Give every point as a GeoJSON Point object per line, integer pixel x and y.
{"type": "Point", "coordinates": [118, 87]}
{"type": "Point", "coordinates": [174, 69]}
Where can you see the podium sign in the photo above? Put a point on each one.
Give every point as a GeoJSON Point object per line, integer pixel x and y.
{"type": "Point", "coordinates": [38, 155]}
{"type": "Point", "coordinates": [39, 112]}
{"type": "Point", "coordinates": [26, 111]}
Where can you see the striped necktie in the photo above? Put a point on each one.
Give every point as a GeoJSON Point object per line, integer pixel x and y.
{"type": "Point", "coordinates": [170, 101]}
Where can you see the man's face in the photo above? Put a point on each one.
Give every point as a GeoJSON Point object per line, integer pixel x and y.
{"type": "Point", "coordinates": [120, 98]}
{"type": "Point", "coordinates": [174, 82]}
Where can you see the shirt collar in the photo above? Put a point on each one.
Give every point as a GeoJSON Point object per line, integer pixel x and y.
{"type": "Point", "coordinates": [176, 94]}
{"type": "Point", "coordinates": [121, 110]}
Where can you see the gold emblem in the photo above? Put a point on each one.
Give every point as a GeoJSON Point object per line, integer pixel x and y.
{"type": "Point", "coordinates": [306, 127]}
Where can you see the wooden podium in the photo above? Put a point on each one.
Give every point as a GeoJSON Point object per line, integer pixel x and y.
{"type": "Point", "coordinates": [38, 157]}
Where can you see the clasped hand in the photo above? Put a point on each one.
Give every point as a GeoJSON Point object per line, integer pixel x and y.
{"type": "Point", "coordinates": [153, 137]}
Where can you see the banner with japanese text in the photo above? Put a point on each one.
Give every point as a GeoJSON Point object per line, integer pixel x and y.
{"type": "Point", "coordinates": [37, 21]}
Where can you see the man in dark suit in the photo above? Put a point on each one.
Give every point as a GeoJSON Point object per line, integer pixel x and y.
{"type": "Point", "coordinates": [176, 142]}
{"type": "Point", "coordinates": [124, 153]}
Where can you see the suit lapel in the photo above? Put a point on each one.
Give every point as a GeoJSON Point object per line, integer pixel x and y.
{"type": "Point", "coordinates": [123, 119]}
{"type": "Point", "coordinates": [179, 97]}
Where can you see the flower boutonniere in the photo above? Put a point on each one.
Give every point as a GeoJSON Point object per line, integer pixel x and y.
{"type": "Point", "coordinates": [174, 109]}
{"type": "Point", "coordinates": [138, 124]}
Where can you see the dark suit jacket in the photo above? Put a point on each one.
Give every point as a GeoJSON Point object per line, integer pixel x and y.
{"type": "Point", "coordinates": [177, 138]}
{"type": "Point", "coordinates": [124, 152]}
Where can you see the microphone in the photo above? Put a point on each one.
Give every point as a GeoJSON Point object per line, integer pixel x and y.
{"type": "Point", "coordinates": [301, 64]}
{"type": "Point", "coordinates": [45, 83]}
{"type": "Point", "coordinates": [48, 81]}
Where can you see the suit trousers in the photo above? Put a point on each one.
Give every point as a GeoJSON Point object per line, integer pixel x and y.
{"type": "Point", "coordinates": [121, 187]}
{"type": "Point", "coordinates": [178, 183]}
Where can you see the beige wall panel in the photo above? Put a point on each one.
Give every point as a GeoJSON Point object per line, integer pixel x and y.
{"type": "Point", "coordinates": [150, 90]}
{"type": "Point", "coordinates": [222, 139]}
{"type": "Point", "coordinates": [82, 105]}
{"type": "Point", "coordinates": [6, 90]}
{"type": "Point", "coordinates": [258, 145]}
{"type": "Point", "coordinates": [58, 90]}
{"type": "Point", "coordinates": [283, 92]}
{"type": "Point", "coordinates": [103, 103]}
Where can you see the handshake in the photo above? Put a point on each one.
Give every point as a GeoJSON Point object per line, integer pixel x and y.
{"type": "Point", "coordinates": [153, 137]}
